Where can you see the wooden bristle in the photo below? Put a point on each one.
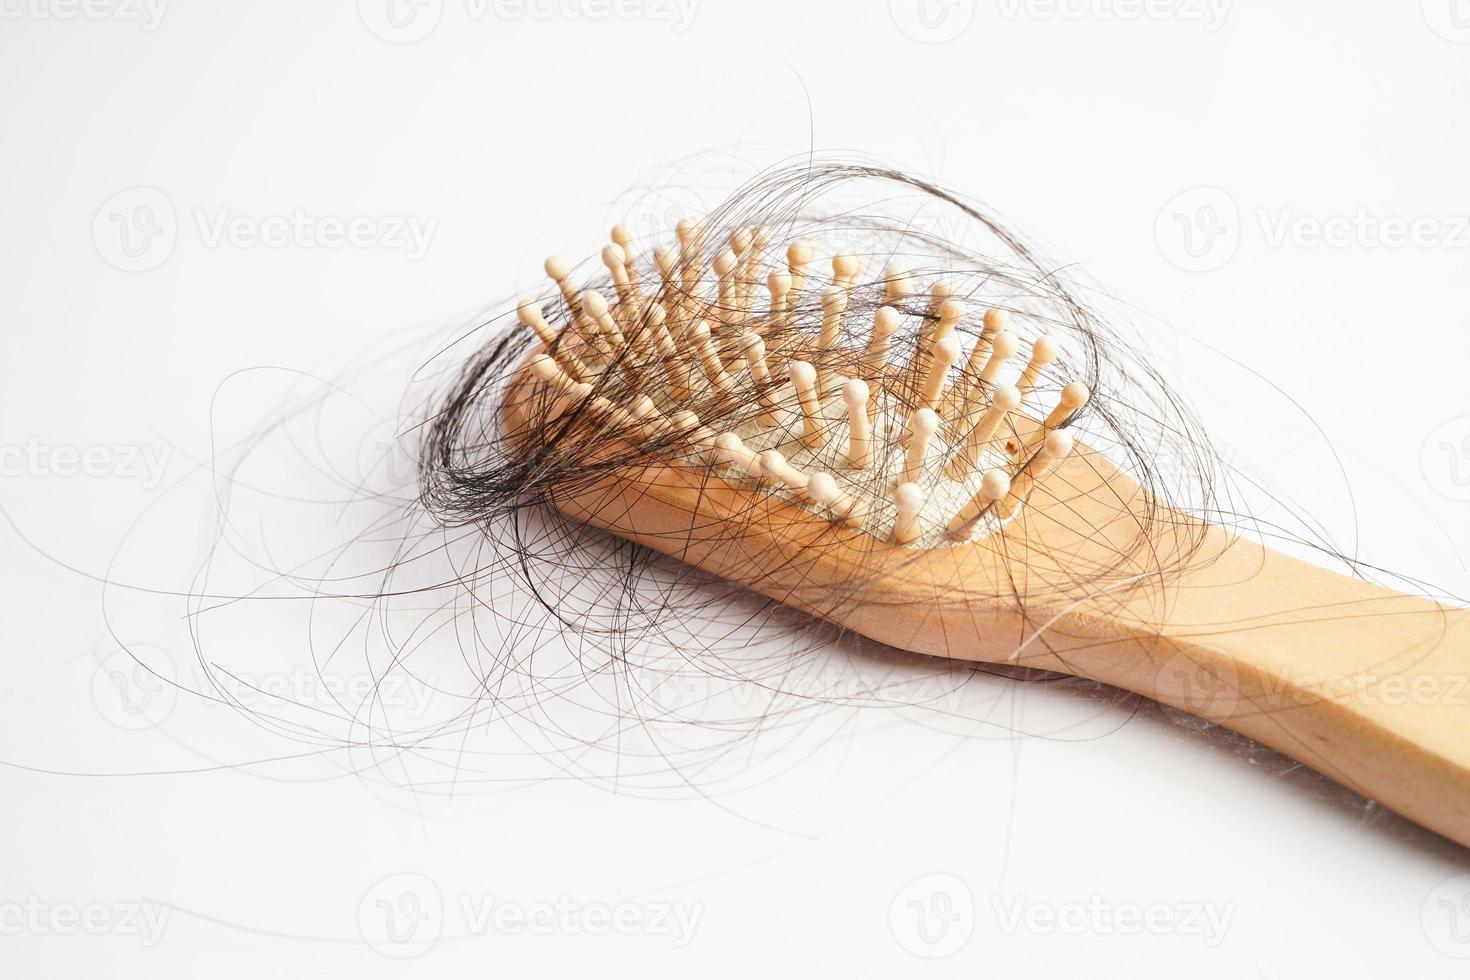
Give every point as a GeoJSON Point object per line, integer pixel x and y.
{"type": "Point", "coordinates": [994, 485]}
{"type": "Point", "coordinates": [773, 466]}
{"type": "Point", "coordinates": [804, 380]}
{"type": "Point", "coordinates": [855, 394]}
{"type": "Point", "coordinates": [909, 499]}
{"type": "Point", "coordinates": [1054, 449]}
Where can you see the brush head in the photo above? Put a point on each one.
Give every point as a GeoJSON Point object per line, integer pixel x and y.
{"type": "Point", "coordinates": [824, 436]}
{"type": "Point", "coordinates": [853, 417]}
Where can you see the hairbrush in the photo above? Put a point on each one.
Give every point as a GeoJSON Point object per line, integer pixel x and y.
{"type": "Point", "coordinates": [939, 447]}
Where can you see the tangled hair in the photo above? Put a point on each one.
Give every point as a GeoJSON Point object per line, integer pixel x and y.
{"type": "Point", "coordinates": [483, 467]}
{"type": "Point", "coordinates": [541, 637]}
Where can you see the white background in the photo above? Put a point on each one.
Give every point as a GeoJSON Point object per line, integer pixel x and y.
{"type": "Point", "coordinates": [511, 131]}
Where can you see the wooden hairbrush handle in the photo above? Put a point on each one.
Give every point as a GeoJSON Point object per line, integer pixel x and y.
{"type": "Point", "coordinates": [1363, 684]}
